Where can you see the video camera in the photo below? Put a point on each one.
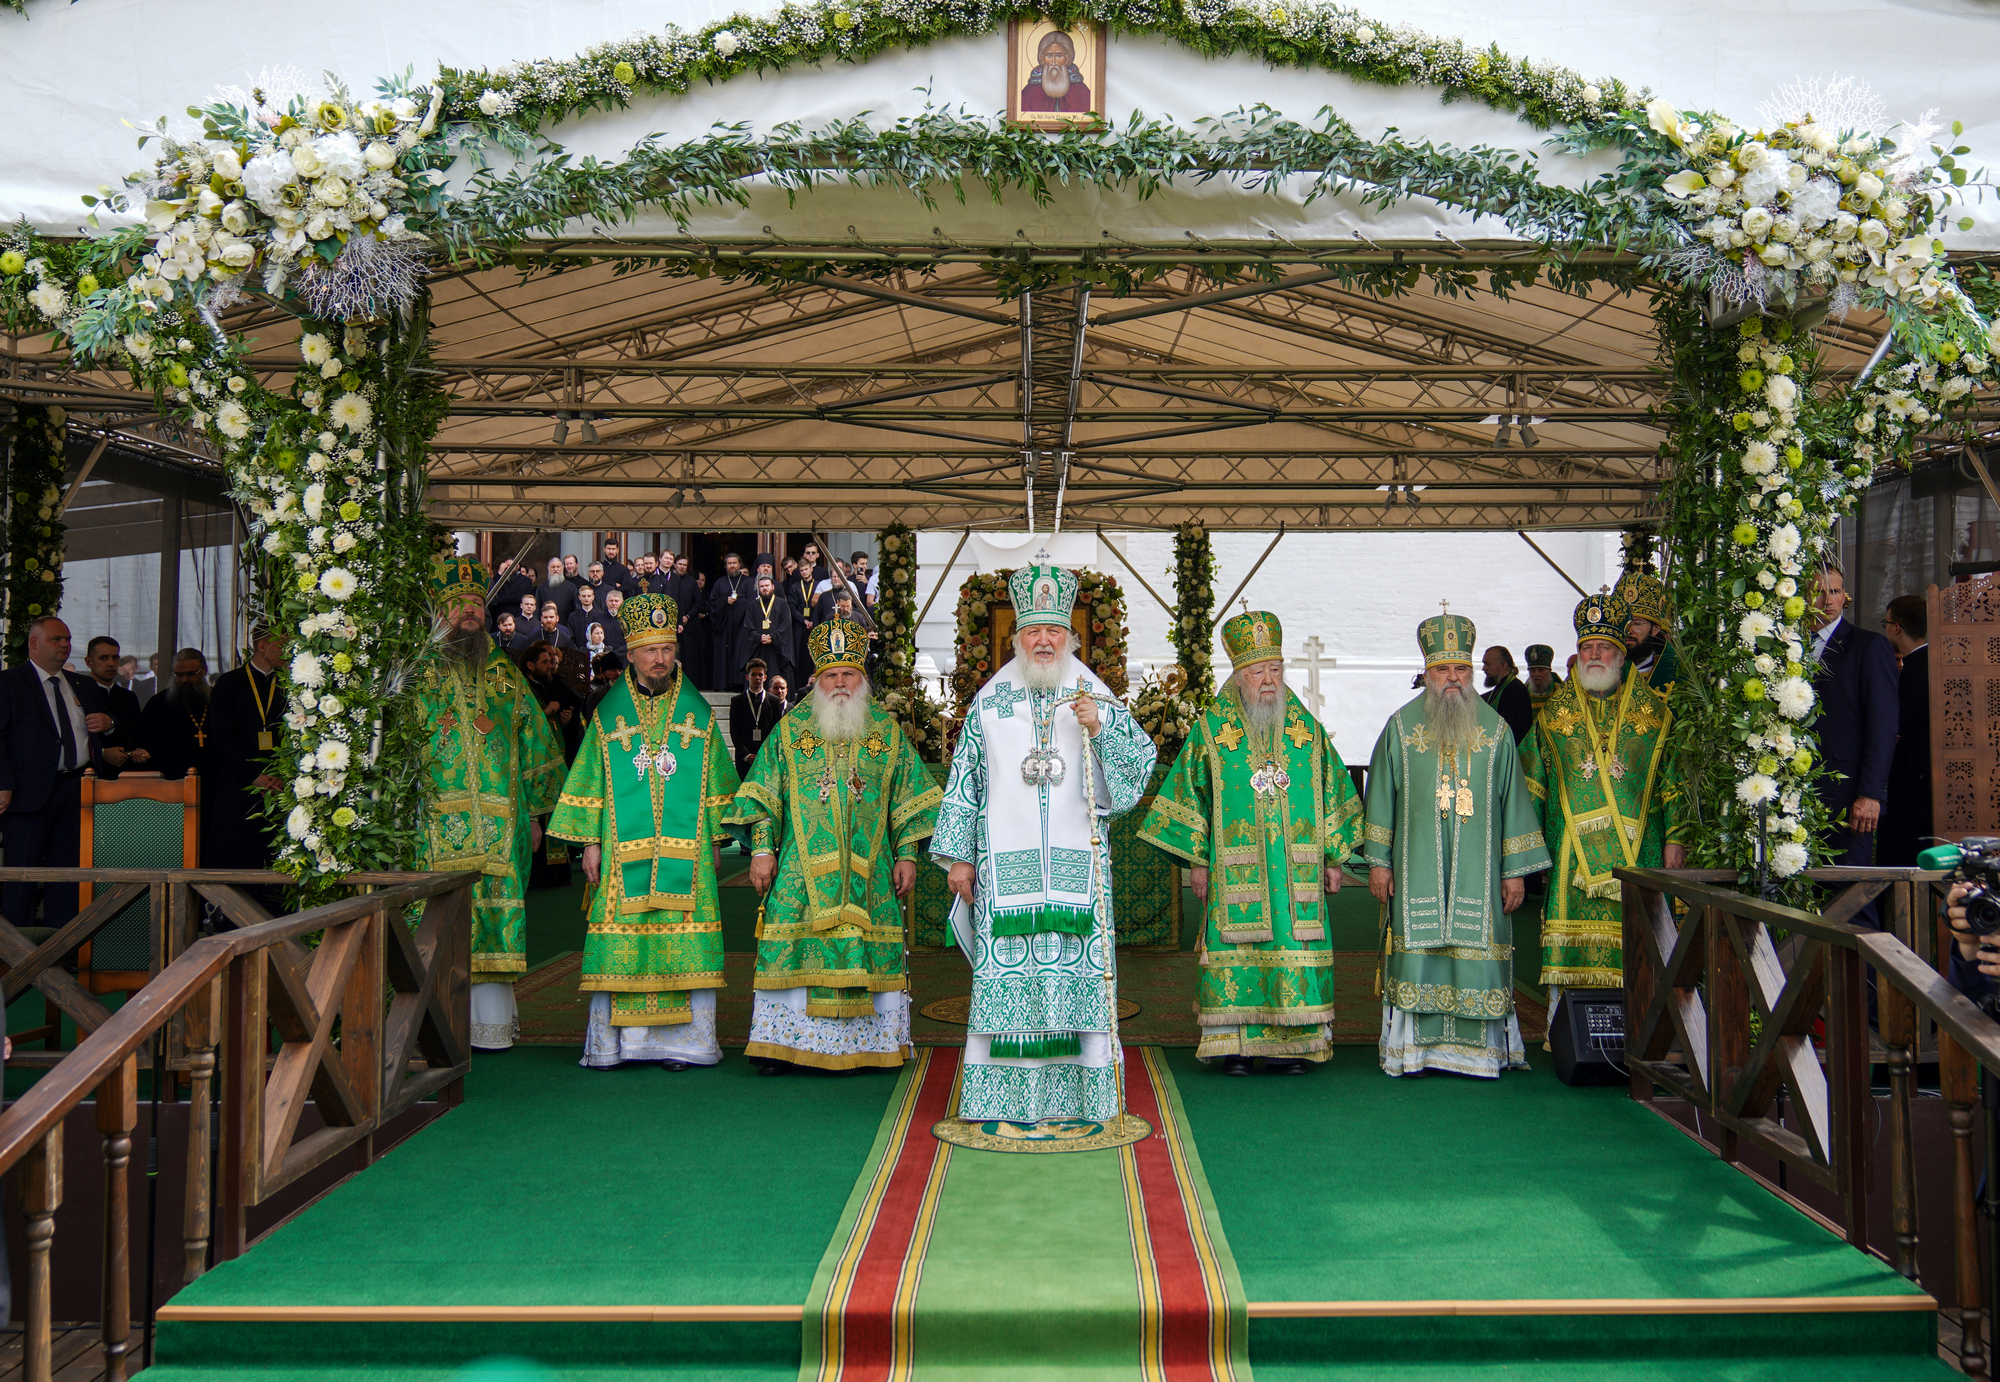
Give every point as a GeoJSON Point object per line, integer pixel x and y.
{"type": "Point", "coordinates": [1974, 860]}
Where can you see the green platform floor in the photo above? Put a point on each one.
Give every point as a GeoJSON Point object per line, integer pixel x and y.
{"type": "Point", "coordinates": [554, 1185]}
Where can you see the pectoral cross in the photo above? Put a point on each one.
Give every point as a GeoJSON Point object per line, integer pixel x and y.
{"type": "Point", "coordinates": [688, 730]}
{"type": "Point", "coordinates": [623, 734]}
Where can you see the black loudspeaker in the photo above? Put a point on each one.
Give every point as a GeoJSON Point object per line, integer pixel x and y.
{"type": "Point", "coordinates": [1588, 1037]}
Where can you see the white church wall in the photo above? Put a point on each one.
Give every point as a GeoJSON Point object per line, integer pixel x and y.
{"type": "Point", "coordinates": [1361, 595]}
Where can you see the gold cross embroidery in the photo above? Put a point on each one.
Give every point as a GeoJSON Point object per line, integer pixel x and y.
{"type": "Point", "coordinates": [1229, 736]}
{"type": "Point", "coordinates": [808, 743]}
{"type": "Point", "coordinates": [623, 734]}
{"type": "Point", "coordinates": [1298, 733]}
{"type": "Point", "coordinates": [688, 730]}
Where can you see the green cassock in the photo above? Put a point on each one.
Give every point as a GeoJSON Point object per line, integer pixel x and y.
{"type": "Point", "coordinates": [840, 817]}
{"type": "Point", "coordinates": [648, 787]}
{"type": "Point", "coordinates": [1266, 817]}
{"type": "Point", "coordinates": [1609, 793]}
{"type": "Point", "coordinates": [495, 766]}
{"type": "Point", "coordinates": [1450, 830]}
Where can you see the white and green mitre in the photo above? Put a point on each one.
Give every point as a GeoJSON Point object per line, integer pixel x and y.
{"type": "Point", "coordinates": [1043, 594]}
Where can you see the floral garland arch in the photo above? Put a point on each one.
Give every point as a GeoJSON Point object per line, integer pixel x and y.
{"type": "Point", "coordinates": [34, 521]}
{"type": "Point", "coordinates": [1098, 595]}
{"type": "Point", "coordinates": [336, 207]}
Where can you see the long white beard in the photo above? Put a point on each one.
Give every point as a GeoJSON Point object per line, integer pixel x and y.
{"type": "Point", "coordinates": [840, 720]}
{"type": "Point", "coordinates": [1052, 675]}
{"type": "Point", "coordinates": [1453, 718]}
{"type": "Point", "coordinates": [1263, 717]}
{"type": "Point", "coordinates": [1055, 81]}
{"type": "Point", "coordinates": [1600, 680]}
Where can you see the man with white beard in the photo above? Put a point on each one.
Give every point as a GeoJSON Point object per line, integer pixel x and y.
{"type": "Point", "coordinates": [1450, 835]}
{"type": "Point", "coordinates": [1610, 795]}
{"type": "Point", "coordinates": [1263, 813]}
{"type": "Point", "coordinates": [496, 769]}
{"type": "Point", "coordinates": [1021, 834]}
{"type": "Point", "coordinates": [834, 810]}
{"type": "Point", "coordinates": [1055, 83]}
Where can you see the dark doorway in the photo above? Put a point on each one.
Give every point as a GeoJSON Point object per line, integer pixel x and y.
{"type": "Point", "coordinates": [706, 551]}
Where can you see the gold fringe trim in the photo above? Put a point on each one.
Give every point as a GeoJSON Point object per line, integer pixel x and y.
{"type": "Point", "coordinates": [878, 1060]}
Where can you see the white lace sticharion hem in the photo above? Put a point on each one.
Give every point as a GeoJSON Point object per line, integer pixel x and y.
{"type": "Point", "coordinates": [495, 1018]}
{"type": "Point", "coordinates": [1501, 1049]}
{"type": "Point", "coordinates": [778, 1017]}
{"type": "Point", "coordinates": [693, 1042]}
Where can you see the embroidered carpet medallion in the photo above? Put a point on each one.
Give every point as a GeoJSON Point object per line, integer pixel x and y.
{"type": "Point", "coordinates": [1056, 1135]}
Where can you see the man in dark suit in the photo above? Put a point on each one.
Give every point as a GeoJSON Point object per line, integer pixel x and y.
{"type": "Point", "coordinates": [1906, 813]}
{"type": "Point", "coordinates": [753, 713]}
{"type": "Point", "coordinates": [1855, 681]}
{"type": "Point", "coordinates": [50, 721]}
{"type": "Point", "coordinates": [122, 745]}
{"type": "Point", "coordinates": [246, 715]}
{"type": "Point", "coordinates": [1507, 694]}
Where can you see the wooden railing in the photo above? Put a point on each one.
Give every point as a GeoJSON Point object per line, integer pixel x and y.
{"type": "Point", "coordinates": [1722, 1013]}
{"type": "Point", "coordinates": [399, 995]}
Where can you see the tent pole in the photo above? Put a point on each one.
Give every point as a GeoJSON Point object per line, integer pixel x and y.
{"type": "Point", "coordinates": [1223, 608]}
{"type": "Point", "coordinates": [1552, 563]}
{"type": "Point", "coordinates": [1134, 570]}
{"type": "Point", "coordinates": [943, 579]}
{"type": "Point", "coordinates": [170, 581]}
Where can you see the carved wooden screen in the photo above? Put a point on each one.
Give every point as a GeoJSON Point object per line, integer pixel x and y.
{"type": "Point", "coordinates": [1965, 707]}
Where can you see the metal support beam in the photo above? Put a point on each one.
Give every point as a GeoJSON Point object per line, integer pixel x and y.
{"type": "Point", "coordinates": [170, 580]}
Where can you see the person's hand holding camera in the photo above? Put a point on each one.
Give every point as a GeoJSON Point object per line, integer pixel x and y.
{"type": "Point", "coordinates": [1967, 939]}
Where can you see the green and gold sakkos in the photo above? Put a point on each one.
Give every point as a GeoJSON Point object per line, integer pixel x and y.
{"type": "Point", "coordinates": [495, 766]}
{"type": "Point", "coordinates": [1609, 793]}
{"type": "Point", "coordinates": [648, 787]}
{"type": "Point", "coordinates": [1266, 818]}
{"type": "Point", "coordinates": [839, 816]}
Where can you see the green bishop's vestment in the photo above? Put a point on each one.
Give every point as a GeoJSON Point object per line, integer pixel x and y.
{"type": "Point", "coordinates": [840, 817]}
{"type": "Point", "coordinates": [1609, 794]}
{"type": "Point", "coordinates": [1451, 830]}
{"type": "Point", "coordinates": [648, 787]}
{"type": "Point", "coordinates": [1266, 817]}
{"type": "Point", "coordinates": [495, 767]}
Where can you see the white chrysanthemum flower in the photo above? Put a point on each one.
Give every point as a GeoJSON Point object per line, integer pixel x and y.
{"type": "Point", "coordinates": [333, 755]}
{"type": "Point", "coordinates": [1788, 858]}
{"type": "Point", "coordinates": [351, 411]}
{"type": "Point", "coordinates": [1784, 542]}
{"type": "Point", "coordinates": [232, 419]}
{"type": "Point", "coordinates": [726, 42]}
{"type": "Point", "coordinates": [49, 299]}
{"type": "Point", "coordinates": [315, 349]}
{"type": "Point", "coordinates": [1756, 624]}
{"type": "Point", "coordinates": [315, 501]}
{"type": "Point", "coordinates": [299, 823]}
{"type": "Point", "coordinates": [1782, 392]}
{"type": "Point", "coordinates": [1760, 458]}
{"type": "Point", "coordinates": [1794, 698]}
{"type": "Point", "coordinates": [306, 670]}
{"type": "Point", "coordinates": [1755, 789]}
{"type": "Point", "coordinates": [338, 583]}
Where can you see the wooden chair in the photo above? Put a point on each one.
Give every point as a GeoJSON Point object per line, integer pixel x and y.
{"type": "Point", "coordinates": [133, 821]}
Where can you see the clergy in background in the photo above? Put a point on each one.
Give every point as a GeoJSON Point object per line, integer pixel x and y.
{"type": "Point", "coordinates": [729, 601]}
{"type": "Point", "coordinates": [495, 767]}
{"type": "Point", "coordinates": [1609, 793]}
{"type": "Point", "coordinates": [1263, 812]}
{"type": "Point", "coordinates": [834, 810]}
{"type": "Point", "coordinates": [644, 798]}
{"type": "Point", "coordinates": [1542, 678]}
{"type": "Point", "coordinates": [767, 632]}
{"type": "Point", "coordinates": [1647, 652]}
{"type": "Point", "coordinates": [1022, 834]}
{"type": "Point", "coordinates": [1451, 833]}
{"type": "Point", "coordinates": [246, 715]}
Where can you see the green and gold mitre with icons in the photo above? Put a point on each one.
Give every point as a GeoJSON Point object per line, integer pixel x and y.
{"type": "Point", "coordinates": [1446, 639]}
{"type": "Point", "coordinates": [649, 619]}
{"type": "Point", "coordinates": [458, 578]}
{"type": "Point", "coordinates": [838, 643]}
{"type": "Point", "coordinates": [1602, 616]}
{"type": "Point", "coordinates": [1645, 596]}
{"type": "Point", "coordinates": [1253, 637]}
{"type": "Point", "coordinates": [1539, 655]}
{"type": "Point", "coordinates": [1043, 594]}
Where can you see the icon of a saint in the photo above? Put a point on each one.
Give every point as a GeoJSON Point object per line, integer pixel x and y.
{"type": "Point", "coordinates": [1056, 84]}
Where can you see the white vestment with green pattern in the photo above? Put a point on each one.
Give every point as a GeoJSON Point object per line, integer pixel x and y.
{"type": "Point", "coordinates": [1046, 996]}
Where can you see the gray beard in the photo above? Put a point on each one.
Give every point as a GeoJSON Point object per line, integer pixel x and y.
{"type": "Point", "coordinates": [1262, 717]}
{"type": "Point", "coordinates": [839, 721]}
{"type": "Point", "coordinates": [557, 579]}
{"type": "Point", "coordinates": [1055, 81]}
{"type": "Point", "coordinates": [466, 647]}
{"type": "Point", "coordinates": [178, 694]}
{"type": "Point", "coordinates": [1453, 719]}
{"type": "Point", "coordinates": [1601, 681]}
{"type": "Point", "coordinates": [1045, 676]}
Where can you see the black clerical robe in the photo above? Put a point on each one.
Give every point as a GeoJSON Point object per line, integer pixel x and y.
{"type": "Point", "coordinates": [507, 597]}
{"type": "Point", "coordinates": [563, 597]}
{"type": "Point", "coordinates": [752, 717]}
{"type": "Point", "coordinates": [180, 735]}
{"type": "Point", "coordinates": [799, 595]}
{"type": "Point", "coordinates": [246, 714]}
{"type": "Point", "coordinates": [769, 618]}
{"type": "Point", "coordinates": [726, 621]}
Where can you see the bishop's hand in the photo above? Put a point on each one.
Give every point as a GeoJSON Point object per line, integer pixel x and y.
{"type": "Point", "coordinates": [1087, 715]}
{"type": "Point", "coordinates": [1513, 892]}
{"type": "Point", "coordinates": [959, 880]}
{"type": "Point", "coordinates": [763, 871]}
{"type": "Point", "coordinates": [1382, 883]}
{"type": "Point", "coordinates": [1198, 880]}
{"type": "Point", "coordinates": [593, 857]}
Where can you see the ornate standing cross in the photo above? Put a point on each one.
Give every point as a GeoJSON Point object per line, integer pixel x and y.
{"type": "Point", "coordinates": [1445, 606]}
{"type": "Point", "coordinates": [1314, 661]}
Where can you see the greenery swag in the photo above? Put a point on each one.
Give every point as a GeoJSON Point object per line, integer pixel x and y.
{"type": "Point", "coordinates": [35, 463]}
{"type": "Point", "coordinates": [1192, 633]}
{"type": "Point", "coordinates": [902, 692]}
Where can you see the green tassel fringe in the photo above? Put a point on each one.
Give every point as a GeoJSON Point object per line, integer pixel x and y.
{"type": "Point", "coordinates": [1071, 921]}
{"type": "Point", "coordinates": [1038, 1046]}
